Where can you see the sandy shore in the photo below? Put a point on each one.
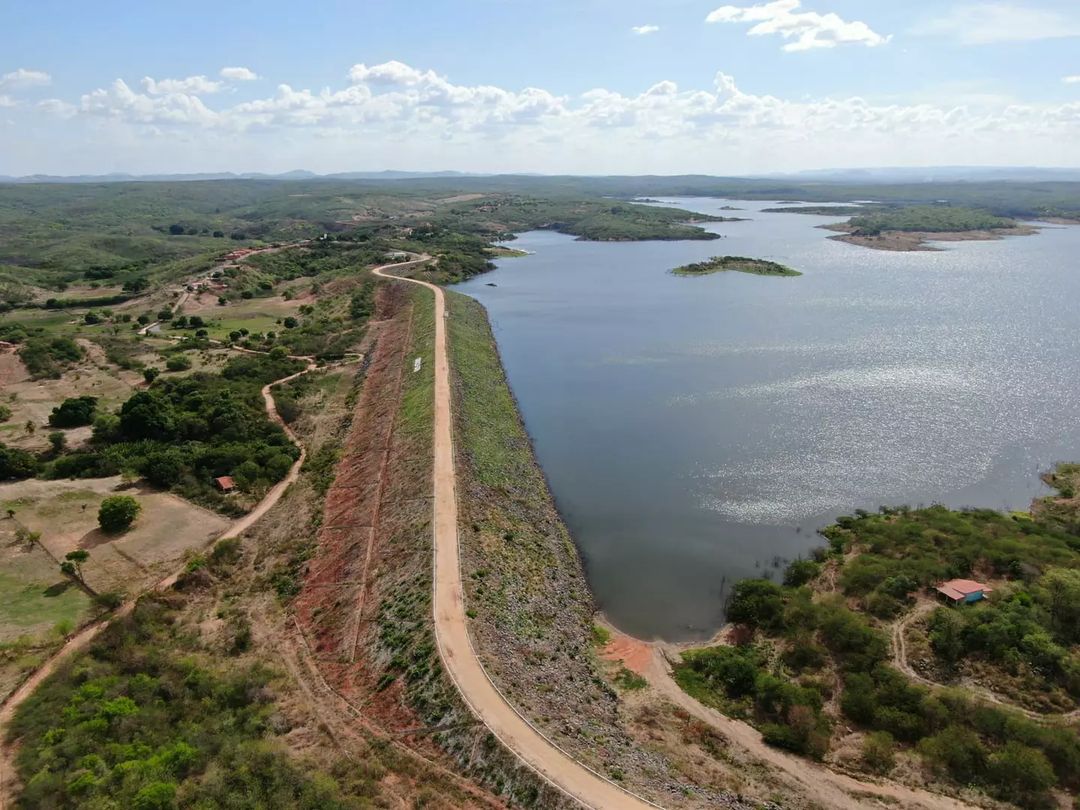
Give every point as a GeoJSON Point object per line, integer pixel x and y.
{"type": "Point", "coordinates": [917, 240]}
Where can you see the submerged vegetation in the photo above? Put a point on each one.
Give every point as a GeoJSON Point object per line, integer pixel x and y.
{"type": "Point", "coordinates": [738, 264]}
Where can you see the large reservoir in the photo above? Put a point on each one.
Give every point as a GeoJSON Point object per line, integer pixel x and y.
{"type": "Point", "coordinates": [696, 431]}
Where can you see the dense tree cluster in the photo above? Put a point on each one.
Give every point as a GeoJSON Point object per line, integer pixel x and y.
{"type": "Point", "coordinates": [181, 433]}
{"type": "Point", "coordinates": [150, 722]}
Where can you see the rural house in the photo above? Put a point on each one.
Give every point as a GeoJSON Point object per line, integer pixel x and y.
{"type": "Point", "coordinates": [962, 591]}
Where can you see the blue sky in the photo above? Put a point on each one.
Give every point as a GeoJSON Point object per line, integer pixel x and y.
{"type": "Point", "coordinates": [584, 86]}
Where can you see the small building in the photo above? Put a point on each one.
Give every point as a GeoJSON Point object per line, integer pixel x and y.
{"type": "Point", "coordinates": [225, 484]}
{"type": "Point", "coordinates": [962, 591]}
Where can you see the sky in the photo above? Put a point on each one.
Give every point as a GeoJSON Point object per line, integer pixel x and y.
{"type": "Point", "coordinates": [558, 86]}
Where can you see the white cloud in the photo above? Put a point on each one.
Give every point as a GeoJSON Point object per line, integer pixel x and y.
{"type": "Point", "coordinates": [57, 107]}
{"type": "Point", "coordinates": [402, 114]}
{"type": "Point", "coordinates": [159, 106]}
{"type": "Point", "coordinates": [22, 78]}
{"type": "Point", "coordinates": [642, 30]}
{"type": "Point", "coordinates": [992, 22]}
{"type": "Point", "coordinates": [238, 74]}
{"type": "Point", "coordinates": [194, 85]}
{"type": "Point", "coordinates": [807, 29]}
{"type": "Point", "coordinates": [1071, 79]}
{"type": "Point", "coordinates": [7, 101]}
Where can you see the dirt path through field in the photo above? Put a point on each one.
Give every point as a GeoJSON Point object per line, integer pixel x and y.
{"type": "Point", "coordinates": [87, 634]}
{"type": "Point", "coordinates": [451, 631]}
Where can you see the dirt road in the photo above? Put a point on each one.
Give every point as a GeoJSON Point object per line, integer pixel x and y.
{"type": "Point", "coordinates": [451, 632]}
{"type": "Point", "coordinates": [826, 787]}
{"type": "Point", "coordinates": [87, 634]}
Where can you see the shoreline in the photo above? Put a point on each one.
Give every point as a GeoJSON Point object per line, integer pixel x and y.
{"type": "Point", "coordinates": [918, 241]}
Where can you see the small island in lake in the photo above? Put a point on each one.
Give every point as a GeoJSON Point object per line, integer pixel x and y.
{"type": "Point", "coordinates": [738, 264]}
{"type": "Point", "coordinates": [911, 227]}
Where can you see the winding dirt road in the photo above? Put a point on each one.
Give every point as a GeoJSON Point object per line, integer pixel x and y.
{"type": "Point", "coordinates": [817, 782]}
{"type": "Point", "coordinates": [451, 631]}
{"type": "Point", "coordinates": [88, 633]}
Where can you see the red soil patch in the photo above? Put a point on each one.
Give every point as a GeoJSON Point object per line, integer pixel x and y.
{"type": "Point", "coordinates": [379, 497]}
{"type": "Point", "coordinates": [328, 607]}
{"type": "Point", "coordinates": [632, 653]}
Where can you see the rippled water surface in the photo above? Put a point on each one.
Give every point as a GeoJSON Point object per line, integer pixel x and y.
{"type": "Point", "coordinates": [697, 430]}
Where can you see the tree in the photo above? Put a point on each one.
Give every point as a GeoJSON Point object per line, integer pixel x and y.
{"type": "Point", "coordinates": [1059, 590]}
{"type": "Point", "coordinates": [74, 412]}
{"type": "Point", "coordinates": [118, 512]}
{"type": "Point", "coordinates": [290, 323]}
{"type": "Point", "coordinates": [946, 627]}
{"type": "Point", "coordinates": [165, 468]}
{"type": "Point", "coordinates": [247, 474]}
{"type": "Point", "coordinates": [150, 374]}
{"type": "Point", "coordinates": [72, 564]}
{"type": "Point", "coordinates": [58, 441]}
{"type": "Point", "coordinates": [800, 572]}
{"type": "Point", "coordinates": [5, 413]}
{"type": "Point", "coordinates": [176, 229]}
{"type": "Point", "coordinates": [146, 415]}
{"type": "Point", "coordinates": [16, 464]}
{"type": "Point", "coordinates": [756, 603]}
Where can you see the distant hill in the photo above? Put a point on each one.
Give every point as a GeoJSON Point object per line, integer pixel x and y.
{"type": "Point", "coordinates": [934, 174]}
{"type": "Point", "coordinates": [896, 174]}
{"type": "Point", "coordinates": [296, 174]}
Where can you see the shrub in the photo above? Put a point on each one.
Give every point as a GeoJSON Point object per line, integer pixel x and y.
{"type": "Point", "coordinates": [178, 363]}
{"type": "Point", "coordinates": [74, 412]}
{"type": "Point", "coordinates": [118, 512]}
{"type": "Point", "coordinates": [16, 464]}
{"type": "Point", "coordinates": [800, 572]}
{"type": "Point", "coordinates": [1019, 772]}
{"type": "Point", "coordinates": [878, 752]}
{"type": "Point", "coordinates": [956, 751]}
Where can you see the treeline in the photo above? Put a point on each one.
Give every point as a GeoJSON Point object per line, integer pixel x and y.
{"type": "Point", "coordinates": [931, 218]}
{"type": "Point", "coordinates": [499, 216]}
{"type": "Point", "coordinates": [179, 434]}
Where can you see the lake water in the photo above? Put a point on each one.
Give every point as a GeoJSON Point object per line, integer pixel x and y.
{"type": "Point", "coordinates": [696, 431]}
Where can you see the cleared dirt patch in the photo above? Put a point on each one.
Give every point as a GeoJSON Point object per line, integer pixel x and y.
{"type": "Point", "coordinates": [33, 400]}
{"type": "Point", "coordinates": [65, 513]}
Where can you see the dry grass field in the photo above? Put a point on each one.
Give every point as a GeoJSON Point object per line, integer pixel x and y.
{"type": "Point", "coordinates": [65, 513]}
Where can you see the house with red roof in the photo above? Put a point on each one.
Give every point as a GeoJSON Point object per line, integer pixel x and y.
{"type": "Point", "coordinates": [962, 591]}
